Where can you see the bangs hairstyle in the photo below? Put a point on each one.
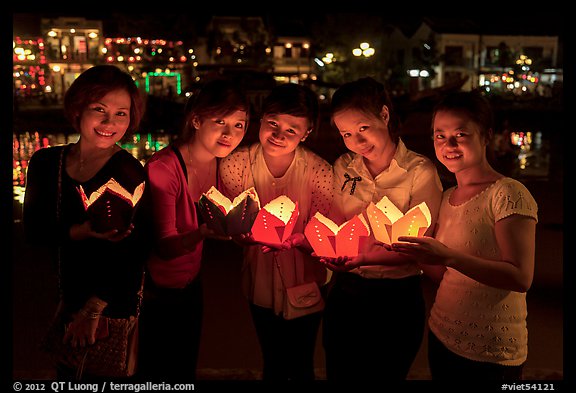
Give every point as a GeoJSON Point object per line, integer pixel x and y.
{"type": "Point", "coordinates": [95, 83]}
{"type": "Point", "coordinates": [473, 105]}
{"type": "Point", "coordinates": [368, 96]}
{"type": "Point", "coordinates": [216, 98]}
{"type": "Point", "coordinates": [295, 100]}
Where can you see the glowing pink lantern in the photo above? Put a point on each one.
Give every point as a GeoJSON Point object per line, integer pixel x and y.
{"type": "Point", "coordinates": [331, 240]}
{"type": "Point", "coordinates": [111, 206]}
{"type": "Point", "coordinates": [275, 221]}
{"type": "Point", "coordinates": [229, 217]}
{"type": "Point", "coordinates": [388, 222]}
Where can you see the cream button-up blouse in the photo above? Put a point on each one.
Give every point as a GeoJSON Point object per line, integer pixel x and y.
{"type": "Point", "coordinates": [410, 179]}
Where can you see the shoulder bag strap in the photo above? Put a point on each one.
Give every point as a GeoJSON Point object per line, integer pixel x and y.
{"type": "Point", "coordinates": [59, 215]}
{"type": "Point", "coordinates": [140, 294]}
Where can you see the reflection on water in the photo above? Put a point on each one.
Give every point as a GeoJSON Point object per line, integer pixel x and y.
{"type": "Point", "coordinates": [519, 154]}
{"type": "Point", "coordinates": [522, 154]}
{"type": "Point", "coordinates": [142, 146]}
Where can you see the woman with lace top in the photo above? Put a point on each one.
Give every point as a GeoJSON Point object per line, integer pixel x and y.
{"type": "Point", "coordinates": [279, 165]}
{"type": "Point", "coordinates": [483, 249]}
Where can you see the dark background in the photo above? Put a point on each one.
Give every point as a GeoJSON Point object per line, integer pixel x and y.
{"type": "Point", "coordinates": [553, 284]}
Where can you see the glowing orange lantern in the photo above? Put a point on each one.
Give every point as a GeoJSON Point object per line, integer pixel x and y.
{"type": "Point", "coordinates": [388, 222]}
{"type": "Point", "coordinates": [111, 206]}
{"type": "Point", "coordinates": [275, 221]}
{"type": "Point", "coordinates": [229, 217]}
{"type": "Point", "coordinates": [330, 240]}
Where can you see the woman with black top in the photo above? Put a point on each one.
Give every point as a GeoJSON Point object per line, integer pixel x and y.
{"type": "Point", "coordinates": [100, 266]}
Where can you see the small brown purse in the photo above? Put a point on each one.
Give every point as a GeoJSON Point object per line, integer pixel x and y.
{"type": "Point", "coordinates": [301, 300]}
{"type": "Point", "coordinates": [114, 353]}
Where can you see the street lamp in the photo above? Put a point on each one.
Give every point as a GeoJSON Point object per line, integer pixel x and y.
{"type": "Point", "coordinates": [329, 58]}
{"type": "Point", "coordinates": [364, 50]}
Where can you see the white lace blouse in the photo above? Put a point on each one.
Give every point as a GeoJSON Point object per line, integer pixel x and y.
{"type": "Point", "coordinates": [308, 181]}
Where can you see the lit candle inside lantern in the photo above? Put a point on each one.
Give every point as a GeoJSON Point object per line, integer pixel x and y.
{"type": "Point", "coordinates": [111, 206]}
{"type": "Point", "coordinates": [388, 222]}
{"type": "Point", "coordinates": [331, 240]}
{"type": "Point", "coordinates": [229, 217]}
{"type": "Point", "coordinates": [275, 221]}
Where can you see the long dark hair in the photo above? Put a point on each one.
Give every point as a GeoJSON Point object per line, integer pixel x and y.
{"type": "Point", "coordinates": [95, 83]}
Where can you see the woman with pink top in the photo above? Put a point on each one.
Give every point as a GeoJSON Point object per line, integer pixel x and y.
{"type": "Point", "coordinates": [483, 247]}
{"type": "Point", "coordinates": [215, 122]}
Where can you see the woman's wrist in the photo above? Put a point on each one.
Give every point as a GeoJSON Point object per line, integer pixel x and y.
{"type": "Point", "coordinates": [361, 260]}
{"type": "Point", "coordinates": [93, 308]}
{"type": "Point", "coordinates": [89, 314]}
{"type": "Point", "coordinates": [80, 231]}
{"type": "Point", "coordinates": [191, 239]}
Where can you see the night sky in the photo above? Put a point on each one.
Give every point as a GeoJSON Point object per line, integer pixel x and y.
{"type": "Point", "coordinates": [172, 24]}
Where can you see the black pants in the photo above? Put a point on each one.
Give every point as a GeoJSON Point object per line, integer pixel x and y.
{"type": "Point", "coordinates": [170, 329]}
{"type": "Point", "coordinates": [372, 328]}
{"type": "Point", "coordinates": [445, 365]}
{"type": "Point", "coordinates": [287, 345]}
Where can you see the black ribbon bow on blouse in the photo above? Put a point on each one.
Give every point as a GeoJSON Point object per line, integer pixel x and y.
{"type": "Point", "coordinates": [353, 180]}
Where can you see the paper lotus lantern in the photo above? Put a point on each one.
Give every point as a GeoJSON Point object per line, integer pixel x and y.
{"type": "Point", "coordinates": [331, 240]}
{"type": "Point", "coordinates": [388, 222]}
{"type": "Point", "coordinates": [275, 221]}
{"type": "Point", "coordinates": [229, 217]}
{"type": "Point", "coordinates": [111, 206]}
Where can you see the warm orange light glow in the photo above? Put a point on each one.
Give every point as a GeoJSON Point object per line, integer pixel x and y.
{"type": "Point", "coordinates": [111, 206]}
{"type": "Point", "coordinates": [275, 221]}
{"type": "Point", "coordinates": [113, 187]}
{"type": "Point", "coordinates": [229, 217]}
{"type": "Point", "coordinates": [388, 222]}
{"type": "Point", "coordinates": [330, 240]}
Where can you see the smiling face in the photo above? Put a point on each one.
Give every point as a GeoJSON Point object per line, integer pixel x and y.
{"type": "Point", "coordinates": [221, 134]}
{"type": "Point", "coordinates": [458, 141]}
{"type": "Point", "coordinates": [364, 134]}
{"type": "Point", "coordinates": [280, 134]}
{"type": "Point", "coordinates": [104, 122]}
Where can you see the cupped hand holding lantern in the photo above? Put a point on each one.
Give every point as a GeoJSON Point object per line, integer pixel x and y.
{"type": "Point", "coordinates": [244, 239]}
{"type": "Point", "coordinates": [207, 232]}
{"type": "Point", "coordinates": [425, 249]}
{"type": "Point", "coordinates": [342, 263]}
{"type": "Point", "coordinates": [85, 231]}
{"type": "Point", "coordinates": [192, 238]}
{"type": "Point", "coordinates": [247, 239]}
{"type": "Point", "coordinates": [295, 240]}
